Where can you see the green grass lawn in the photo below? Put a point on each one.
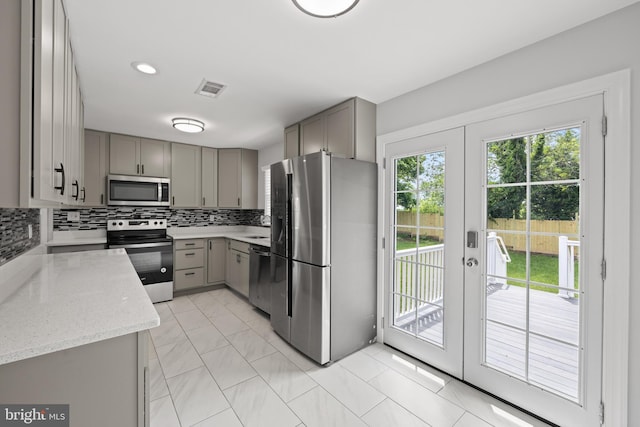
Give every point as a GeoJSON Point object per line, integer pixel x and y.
{"type": "Point", "coordinates": [405, 241]}
{"type": "Point", "coordinates": [544, 269]}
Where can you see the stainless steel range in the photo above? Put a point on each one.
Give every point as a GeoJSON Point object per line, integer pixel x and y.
{"type": "Point", "coordinates": [150, 251]}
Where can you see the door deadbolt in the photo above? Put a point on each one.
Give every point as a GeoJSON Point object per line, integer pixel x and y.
{"type": "Point", "coordinates": [472, 262]}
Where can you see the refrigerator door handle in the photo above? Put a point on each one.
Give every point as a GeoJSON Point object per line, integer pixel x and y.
{"type": "Point", "coordinates": [289, 288]}
{"type": "Point", "coordinates": [289, 245]}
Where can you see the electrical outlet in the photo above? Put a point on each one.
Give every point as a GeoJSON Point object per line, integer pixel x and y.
{"type": "Point", "coordinates": [73, 216]}
{"type": "Point", "coordinates": [30, 230]}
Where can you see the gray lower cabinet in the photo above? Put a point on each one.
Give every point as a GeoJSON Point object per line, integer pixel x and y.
{"type": "Point", "coordinates": [105, 383]}
{"type": "Point", "coordinates": [216, 260]}
{"type": "Point", "coordinates": [237, 271]}
{"type": "Point", "coordinates": [188, 264]}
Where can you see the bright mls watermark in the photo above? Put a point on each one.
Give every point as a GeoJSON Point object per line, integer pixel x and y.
{"type": "Point", "coordinates": [34, 415]}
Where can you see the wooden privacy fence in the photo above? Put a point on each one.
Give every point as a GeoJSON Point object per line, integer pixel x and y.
{"type": "Point", "coordinates": [432, 225]}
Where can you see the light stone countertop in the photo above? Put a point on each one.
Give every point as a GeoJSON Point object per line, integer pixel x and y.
{"type": "Point", "coordinates": [56, 302]}
{"type": "Point", "coordinates": [243, 233]}
{"type": "Point", "coordinates": [78, 237]}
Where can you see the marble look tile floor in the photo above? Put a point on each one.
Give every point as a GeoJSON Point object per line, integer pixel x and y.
{"type": "Point", "coordinates": [215, 361]}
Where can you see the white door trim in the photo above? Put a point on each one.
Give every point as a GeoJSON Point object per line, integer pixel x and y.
{"type": "Point", "coordinates": [616, 88]}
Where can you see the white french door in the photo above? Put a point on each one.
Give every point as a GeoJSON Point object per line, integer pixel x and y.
{"type": "Point", "coordinates": [424, 273]}
{"type": "Point", "coordinates": [519, 310]}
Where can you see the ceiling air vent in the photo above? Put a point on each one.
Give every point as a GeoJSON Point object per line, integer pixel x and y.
{"type": "Point", "coordinates": [210, 89]}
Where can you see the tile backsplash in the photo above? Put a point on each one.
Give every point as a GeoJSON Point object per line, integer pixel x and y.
{"type": "Point", "coordinates": [14, 232]}
{"type": "Point", "coordinates": [96, 218]}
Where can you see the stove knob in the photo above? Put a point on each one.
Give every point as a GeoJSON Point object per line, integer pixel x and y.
{"type": "Point", "coordinates": [119, 223]}
{"type": "Point", "coordinates": [113, 223]}
{"type": "Point", "coordinates": [163, 270]}
{"type": "Point", "coordinates": [155, 222]}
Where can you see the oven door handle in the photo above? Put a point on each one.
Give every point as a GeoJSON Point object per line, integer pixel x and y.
{"type": "Point", "coordinates": [141, 245]}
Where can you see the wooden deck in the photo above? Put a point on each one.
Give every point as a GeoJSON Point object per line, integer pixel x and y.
{"type": "Point", "coordinates": [553, 338]}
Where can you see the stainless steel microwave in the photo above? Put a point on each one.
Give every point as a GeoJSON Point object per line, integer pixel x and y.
{"type": "Point", "coordinates": [123, 190]}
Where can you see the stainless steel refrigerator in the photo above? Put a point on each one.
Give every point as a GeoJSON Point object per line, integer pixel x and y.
{"type": "Point", "coordinates": [323, 254]}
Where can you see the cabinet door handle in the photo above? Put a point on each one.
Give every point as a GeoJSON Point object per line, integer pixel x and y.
{"type": "Point", "coordinates": [190, 254]}
{"type": "Point", "coordinates": [173, 200]}
{"type": "Point", "coordinates": [84, 194]}
{"type": "Point", "coordinates": [138, 168]}
{"type": "Point", "coordinates": [142, 169]}
{"type": "Point", "coordinates": [238, 201]}
{"type": "Point", "coordinates": [77, 186]}
{"type": "Point", "coordinates": [238, 258]}
{"type": "Point", "coordinates": [102, 199]}
{"type": "Point", "coordinates": [210, 245]}
{"type": "Point", "coordinates": [189, 274]}
{"type": "Point", "coordinates": [203, 203]}
{"type": "Point", "coordinates": [60, 170]}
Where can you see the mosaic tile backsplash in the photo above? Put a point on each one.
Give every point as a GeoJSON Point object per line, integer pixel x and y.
{"type": "Point", "coordinates": [96, 218]}
{"type": "Point", "coordinates": [14, 232]}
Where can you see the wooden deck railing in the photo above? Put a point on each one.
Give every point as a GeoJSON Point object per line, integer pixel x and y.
{"type": "Point", "coordinates": [420, 275]}
{"type": "Point", "coordinates": [566, 265]}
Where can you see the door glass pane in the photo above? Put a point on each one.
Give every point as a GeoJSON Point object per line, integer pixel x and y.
{"type": "Point", "coordinates": [419, 246]}
{"type": "Point", "coordinates": [532, 302]}
{"type": "Point", "coordinates": [555, 156]}
{"type": "Point", "coordinates": [554, 365]}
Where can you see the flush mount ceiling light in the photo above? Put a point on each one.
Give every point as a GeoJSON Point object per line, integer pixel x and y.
{"type": "Point", "coordinates": [187, 125]}
{"type": "Point", "coordinates": [143, 67]}
{"type": "Point", "coordinates": [325, 8]}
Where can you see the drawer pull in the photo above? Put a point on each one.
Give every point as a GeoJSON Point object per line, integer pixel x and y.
{"type": "Point", "coordinates": [190, 254]}
{"type": "Point", "coordinates": [189, 274]}
{"type": "Point", "coordinates": [189, 244]}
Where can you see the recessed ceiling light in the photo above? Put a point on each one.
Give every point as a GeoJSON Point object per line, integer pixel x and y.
{"type": "Point", "coordinates": [187, 125]}
{"type": "Point", "coordinates": [325, 8]}
{"type": "Point", "coordinates": [143, 67]}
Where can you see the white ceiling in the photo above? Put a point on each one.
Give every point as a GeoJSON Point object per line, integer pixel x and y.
{"type": "Point", "coordinates": [281, 65]}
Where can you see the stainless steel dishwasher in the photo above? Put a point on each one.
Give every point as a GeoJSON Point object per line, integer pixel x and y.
{"type": "Point", "coordinates": [260, 277]}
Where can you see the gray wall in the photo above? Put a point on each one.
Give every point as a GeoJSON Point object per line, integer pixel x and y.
{"type": "Point", "coordinates": [9, 102]}
{"type": "Point", "coordinates": [606, 45]}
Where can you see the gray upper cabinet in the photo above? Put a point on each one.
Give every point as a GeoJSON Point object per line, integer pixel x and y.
{"type": "Point", "coordinates": [129, 155]}
{"type": "Point", "coordinates": [292, 141]}
{"type": "Point", "coordinates": [96, 165]}
{"type": "Point", "coordinates": [347, 130]}
{"type": "Point", "coordinates": [54, 112]}
{"type": "Point", "coordinates": [209, 177]}
{"type": "Point", "coordinates": [340, 135]}
{"type": "Point", "coordinates": [312, 134]}
{"type": "Point", "coordinates": [155, 158]}
{"type": "Point", "coordinates": [229, 177]}
{"type": "Point", "coordinates": [237, 178]}
{"type": "Point", "coordinates": [185, 175]}
{"type": "Point", "coordinates": [123, 155]}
